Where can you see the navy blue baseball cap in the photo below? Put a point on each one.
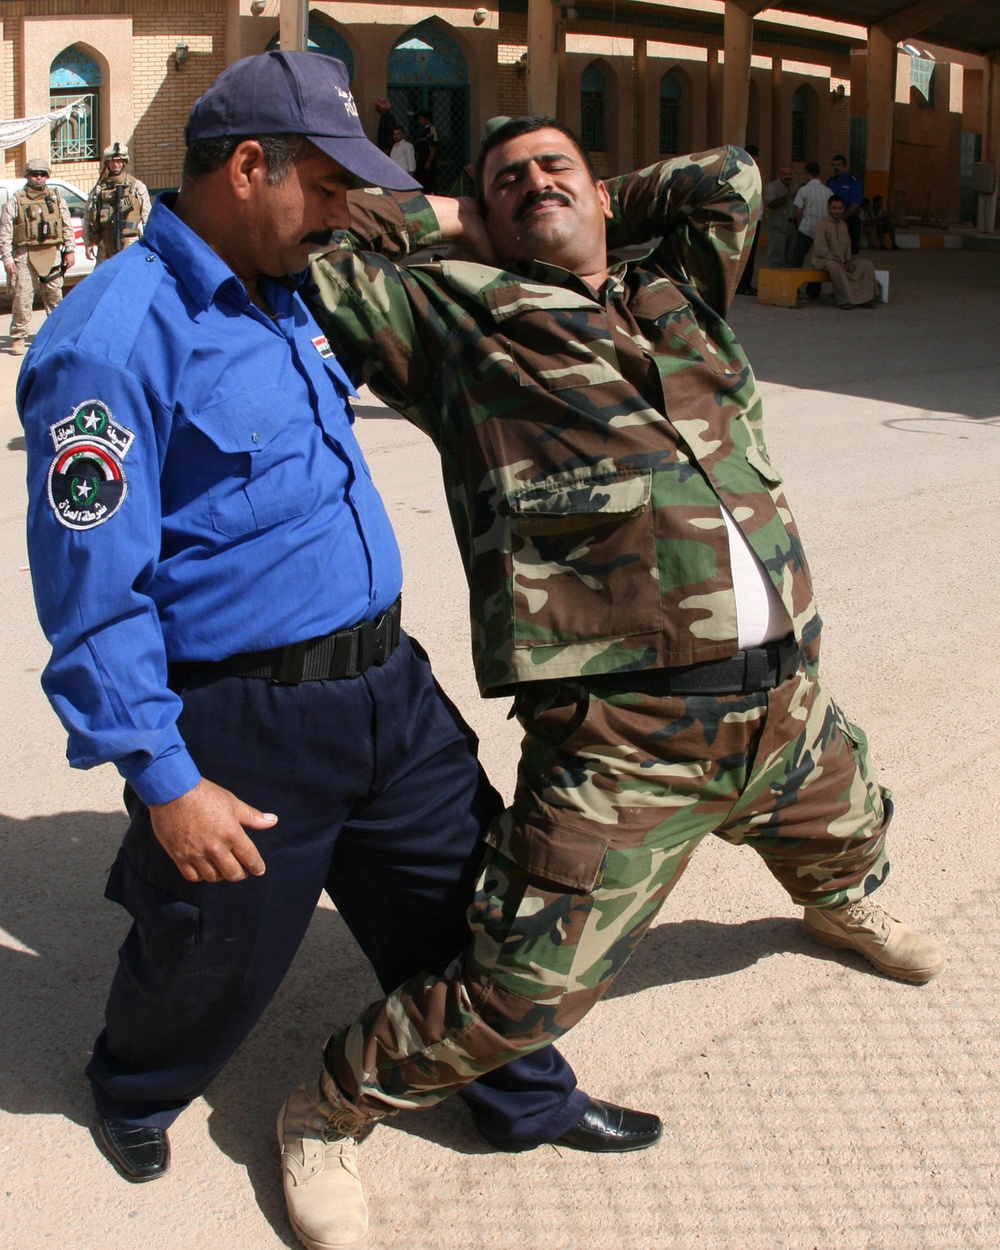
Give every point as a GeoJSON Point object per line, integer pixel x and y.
{"type": "Point", "coordinates": [295, 93]}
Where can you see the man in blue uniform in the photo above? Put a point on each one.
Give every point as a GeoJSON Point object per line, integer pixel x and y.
{"type": "Point", "coordinates": [221, 590]}
{"type": "Point", "coordinates": [844, 184]}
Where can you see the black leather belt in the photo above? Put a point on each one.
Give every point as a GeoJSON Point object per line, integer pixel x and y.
{"type": "Point", "coordinates": [746, 672]}
{"type": "Point", "coordinates": [347, 653]}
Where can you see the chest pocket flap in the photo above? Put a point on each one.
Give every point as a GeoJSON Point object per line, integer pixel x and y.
{"type": "Point", "coordinates": [256, 478]}
{"type": "Point", "coordinates": [567, 502]}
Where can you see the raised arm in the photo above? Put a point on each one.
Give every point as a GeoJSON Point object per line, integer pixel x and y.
{"type": "Point", "coordinates": [378, 316]}
{"type": "Point", "coordinates": [702, 208]}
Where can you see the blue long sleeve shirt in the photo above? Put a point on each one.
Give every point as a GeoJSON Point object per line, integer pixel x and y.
{"type": "Point", "coordinates": [195, 492]}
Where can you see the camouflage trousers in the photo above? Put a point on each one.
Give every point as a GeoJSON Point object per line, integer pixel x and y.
{"type": "Point", "coordinates": [23, 285]}
{"type": "Point", "coordinates": [615, 791]}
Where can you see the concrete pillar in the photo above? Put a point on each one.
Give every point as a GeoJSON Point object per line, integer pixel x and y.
{"type": "Point", "coordinates": [293, 26]}
{"type": "Point", "coordinates": [738, 41]}
{"type": "Point", "coordinates": [561, 75]}
{"type": "Point", "coordinates": [881, 99]}
{"type": "Point", "coordinates": [543, 61]}
{"type": "Point", "coordinates": [991, 141]}
{"type": "Point", "coordinates": [234, 48]}
{"type": "Point", "coordinates": [646, 119]}
{"type": "Point", "coordinates": [713, 91]}
{"type": "Point", "coordinates": [780, 145]}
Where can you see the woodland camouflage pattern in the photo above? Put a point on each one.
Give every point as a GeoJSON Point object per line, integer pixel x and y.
{"type": "Point", "coordinates": [586, 444]}
{"type": "Point", "coordinates": [615, 791]}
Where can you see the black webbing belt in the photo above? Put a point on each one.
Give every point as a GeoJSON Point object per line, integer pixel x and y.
{"type": "Point", "coordinates": [746, 672]}
{"type": "Point", "coordinates": [347, 653]}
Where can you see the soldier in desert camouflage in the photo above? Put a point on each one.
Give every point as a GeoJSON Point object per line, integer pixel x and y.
{"type": "Point", "coordinates": [637, 583]}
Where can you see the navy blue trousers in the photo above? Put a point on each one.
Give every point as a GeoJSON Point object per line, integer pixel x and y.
{"type": "Point", "coordinates": [381, 802]}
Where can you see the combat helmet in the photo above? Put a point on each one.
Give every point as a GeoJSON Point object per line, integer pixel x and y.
{"type": "Point", "coordinates": [36, 165]}
{"type": "Point", "coordinates": [116, 151]}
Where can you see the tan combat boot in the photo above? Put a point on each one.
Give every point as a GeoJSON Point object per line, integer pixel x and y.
{"type": "Point", "coordinates": [317, 1133]}
{"type": "Point", "coordinates": [893, 947]}
{"type": "Point", "coordinates": [18, 347]}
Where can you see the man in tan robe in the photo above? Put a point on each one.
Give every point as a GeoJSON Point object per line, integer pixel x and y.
{"type": "Point", "coordinates": [853, 278]}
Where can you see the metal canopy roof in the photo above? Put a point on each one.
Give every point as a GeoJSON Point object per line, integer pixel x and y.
{"type": "Point", "coordinates": [966, 25]}
{"type": "Point", "coordinates": [971, 26]}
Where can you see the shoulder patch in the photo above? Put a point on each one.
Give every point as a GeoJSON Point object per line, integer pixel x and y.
{"type": "Point", "coordinates": [87, 483]}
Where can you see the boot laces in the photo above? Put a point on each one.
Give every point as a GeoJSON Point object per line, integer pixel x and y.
{"type": "Point", "coordinates": [867, 912]}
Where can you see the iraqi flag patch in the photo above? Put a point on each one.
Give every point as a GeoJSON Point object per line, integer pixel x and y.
{"type": "Point", "coordinates": [322, 346]}
{"type": "Point", "coordinates": [87, 483]}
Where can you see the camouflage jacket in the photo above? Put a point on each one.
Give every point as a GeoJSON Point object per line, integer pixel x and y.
{"type": "Point", "coordinates": [586, 440]}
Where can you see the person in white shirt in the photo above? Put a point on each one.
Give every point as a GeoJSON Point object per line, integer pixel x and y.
{"type": "Point", "coordinates": [810, 207]}
{"type": "Point", "coordinates": [402, 150]}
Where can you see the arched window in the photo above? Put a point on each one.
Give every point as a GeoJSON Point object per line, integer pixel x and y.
{"type": "Point", "coordinates": [800, 125]}
{"type": "Point", "coordinates": [670, 113]}
{"type": "Point", "coordinates": [75, 78]}
{"type": "Point", "coordinates": [593, 94]}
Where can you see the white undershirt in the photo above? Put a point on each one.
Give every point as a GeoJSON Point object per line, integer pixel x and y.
{"type": "Point", "coordinates": [760, 615]}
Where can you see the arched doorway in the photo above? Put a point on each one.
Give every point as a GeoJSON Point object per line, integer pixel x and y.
{"type": "Point", "coordinates": [427, 71]}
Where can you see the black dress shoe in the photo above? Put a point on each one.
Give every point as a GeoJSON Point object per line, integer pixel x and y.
{"type": "Point", "coordinates": [604, 1128]}
{"type": "Point", "coordinates": [138, 1152]}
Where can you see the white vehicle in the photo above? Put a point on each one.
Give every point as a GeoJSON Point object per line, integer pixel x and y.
{"type": "Point", "coordinates": [76, 202]}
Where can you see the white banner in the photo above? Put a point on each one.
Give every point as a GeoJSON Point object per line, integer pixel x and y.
{"type": "Point", "coordinates": [14, 133]}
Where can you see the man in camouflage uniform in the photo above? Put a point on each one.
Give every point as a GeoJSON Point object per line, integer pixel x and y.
{"type": "Point", "coordinates": [37, 246]}
{"type": "Point", "coordinates": [117, 208]}
{"type": "Point", "coordinates": [636, 581]}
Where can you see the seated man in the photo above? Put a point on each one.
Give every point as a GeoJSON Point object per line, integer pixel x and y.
{"type": "Point", "coordinates": [636, 582]}
{"type": "Point", "coordinates": [853, 278]}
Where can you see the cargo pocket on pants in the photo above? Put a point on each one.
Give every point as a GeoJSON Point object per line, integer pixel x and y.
{"type": "Point", "coordinates": [534, 899]}
{"type": "Point", "coordinates": [162, 945]}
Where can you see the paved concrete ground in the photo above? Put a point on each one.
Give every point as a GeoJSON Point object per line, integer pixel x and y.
{"type": "Point", "coordinates": [809, 1104]}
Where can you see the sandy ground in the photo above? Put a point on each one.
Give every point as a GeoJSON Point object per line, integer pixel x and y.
{"type": "Point", "coordinates": [809, 1104]}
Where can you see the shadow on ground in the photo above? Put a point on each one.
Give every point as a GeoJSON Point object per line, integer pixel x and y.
{"type": "Point", "coordinates": [916, 350]}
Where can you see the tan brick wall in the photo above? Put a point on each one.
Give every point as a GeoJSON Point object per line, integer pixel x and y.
{"type": "Point", "coordinates": [162, 94]}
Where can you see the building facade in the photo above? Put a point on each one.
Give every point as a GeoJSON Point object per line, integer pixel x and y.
{"type": "Point", "coordinates": [637, 81]}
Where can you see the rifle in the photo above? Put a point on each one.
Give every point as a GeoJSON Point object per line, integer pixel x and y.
{"type": "Point", "coordinates": [116, 219]}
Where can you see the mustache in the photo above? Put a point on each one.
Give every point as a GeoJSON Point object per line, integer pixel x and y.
{"type": "Point", "coordinates": [537, 197]}
{"type": "Point", "coordinates": [320, 237]}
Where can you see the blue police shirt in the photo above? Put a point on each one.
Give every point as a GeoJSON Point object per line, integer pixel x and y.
{"type": "Point", "coordinates": [195, 492]}
{"type": "Point", "coordinates": [847, 187]}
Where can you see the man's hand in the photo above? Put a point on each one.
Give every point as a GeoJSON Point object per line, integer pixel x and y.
{"type": "Point", "coordinates": [90, 252]}
{"type": "Point", "coordinates": [203, 833]}
{"type": "Point", "coordinates": [463, 226]}
{"type": "Point", "coordinates": [69, 260]}
{"type": "Point", "coordinates": [9, 268]}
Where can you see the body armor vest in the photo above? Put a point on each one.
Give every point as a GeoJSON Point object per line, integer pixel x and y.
{"type": "Point", "coordinates": [37, 220]}
{"type": "Point", "coordinates": [116, 195]}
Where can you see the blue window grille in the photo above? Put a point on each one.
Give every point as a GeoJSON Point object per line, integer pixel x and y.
{"type": "Point", "coordinates": [75, 78]}
{"type": "Point", "coordinates": [593, 95]}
